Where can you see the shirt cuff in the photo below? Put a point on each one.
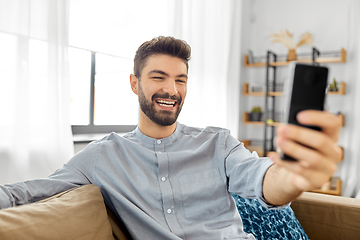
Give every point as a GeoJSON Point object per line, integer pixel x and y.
{"type": "Point", "coordinates": [4, 199]}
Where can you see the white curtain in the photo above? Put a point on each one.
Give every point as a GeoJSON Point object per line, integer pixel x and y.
{"type": "Point", "coordinates": [349, 168]}
{"type": "Point", "coordinates": [35, 133]}
{"type": "Point", "coordinates": [212, 28]}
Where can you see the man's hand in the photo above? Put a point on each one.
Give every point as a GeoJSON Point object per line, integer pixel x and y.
{"type": "Point", "coordinates": [317, 154]}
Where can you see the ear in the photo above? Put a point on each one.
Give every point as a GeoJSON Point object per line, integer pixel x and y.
{"type": "Point", "coordinates": [134, 83]}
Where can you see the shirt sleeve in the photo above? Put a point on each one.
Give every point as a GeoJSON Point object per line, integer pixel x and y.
{"type": "Point", "coordinates": [246, 171]}
{"type": "Point", "coordinates": [77, 171]}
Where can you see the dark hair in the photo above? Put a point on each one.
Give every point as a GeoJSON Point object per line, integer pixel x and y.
{"type": "Point", "coordinates": [161, 45]}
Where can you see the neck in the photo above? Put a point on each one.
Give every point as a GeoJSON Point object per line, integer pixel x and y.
{"type": "Point", "coordinates": [153, 130]}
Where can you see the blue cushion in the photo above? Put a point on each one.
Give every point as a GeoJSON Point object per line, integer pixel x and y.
{"type": "Point", "coordinates": [269, 224]}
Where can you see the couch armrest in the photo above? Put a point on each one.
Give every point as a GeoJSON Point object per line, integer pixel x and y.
{"type": "Point", "coordinates": [328, 217]}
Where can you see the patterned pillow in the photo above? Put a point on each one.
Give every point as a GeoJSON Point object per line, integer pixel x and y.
{"type": "Point", "coordinates": [269, 224]}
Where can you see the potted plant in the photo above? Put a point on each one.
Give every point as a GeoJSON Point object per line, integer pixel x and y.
{"type": "Point", "coordinates": [333, 86]}
{"type": "Point", "coordinates": [255, 114]}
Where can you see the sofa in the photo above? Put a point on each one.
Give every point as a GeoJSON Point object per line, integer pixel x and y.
{"type": "Point", "coordinates": [326, 217]}
{"type": "Point", "coordinates": [80, 213]}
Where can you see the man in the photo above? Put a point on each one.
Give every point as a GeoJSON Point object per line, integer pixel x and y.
{"type": "Point", "coordinates": [169, 181]}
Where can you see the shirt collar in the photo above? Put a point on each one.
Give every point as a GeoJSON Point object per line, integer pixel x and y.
{"type": "Point", "coordinates": [168, 139]}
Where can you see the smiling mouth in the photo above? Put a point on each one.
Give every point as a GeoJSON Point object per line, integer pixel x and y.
{"type": "Point", "coordinates": [166, 103]}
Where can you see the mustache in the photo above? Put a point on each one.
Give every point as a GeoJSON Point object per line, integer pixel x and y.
{"type": "Point", "coordinates": [167, 95]}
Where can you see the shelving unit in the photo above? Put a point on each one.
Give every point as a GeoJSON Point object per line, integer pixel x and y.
{"type": "Point", "coordinates": [270, 93]}
{"type": "Point", "coordinates": [333, 187]}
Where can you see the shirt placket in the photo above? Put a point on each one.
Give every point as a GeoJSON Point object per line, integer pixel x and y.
{"type": "Point", "coordinates": [166, 189]}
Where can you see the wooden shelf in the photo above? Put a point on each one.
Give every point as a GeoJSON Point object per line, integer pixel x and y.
{"type": "Point", "coordinates": [260, 151]}
{"type": "Point", "coordinates": [275, 124]}
{"type": "Point", "coordinates": [341, 59]}
{"type": "Point", "coordinates": [246, 121]}
{"type": "Point", "coordinates": [342, 153]}
{"type": "Point", "coordinates": [341, 91]}
{"type": "Point", "coordinates": [251, 148]}
{"type": "Point", "coordinates": [342, 119]}
{"type": "Point", "coordinates": [333, 187]}
{"type": "Point", "coordinates": [246, 92]}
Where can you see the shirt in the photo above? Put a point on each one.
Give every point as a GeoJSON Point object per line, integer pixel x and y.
{"type": "Point", "coordinates": [177, 187]}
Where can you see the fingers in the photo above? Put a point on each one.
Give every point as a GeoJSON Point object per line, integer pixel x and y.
{"type": "Point", "coordinates": [293, 139]}
{"type": "Point", "coordinates": [307, 157]}
{"type": "Point", "coordinates": [303, 178]}
{"type": "Point", "coordinates": [317, 152]}
{"type": "Point", "coordinates": [329, 123]}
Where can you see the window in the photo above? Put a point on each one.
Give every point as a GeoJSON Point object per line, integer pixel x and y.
{"type": "Point", "coordinates": [104, 36]}
{"type": "Point", "coordinates": [115, 102]}
{"type": "Point", "coordinates": [101, 97]}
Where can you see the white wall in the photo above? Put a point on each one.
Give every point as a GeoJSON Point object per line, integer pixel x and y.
{"type": "Point", "coordinates": [333, 24]}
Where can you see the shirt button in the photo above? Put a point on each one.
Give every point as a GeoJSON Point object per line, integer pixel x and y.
{"type": "Point", "coordinates": [163, 179]}
{"type": "Point", "coordinates": [169, 211]}
{"type": "Point", "coordinates": [158, 141]}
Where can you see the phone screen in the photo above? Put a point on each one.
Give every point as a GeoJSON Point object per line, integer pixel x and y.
{"type": "Point", "coordinates": [308, 91]}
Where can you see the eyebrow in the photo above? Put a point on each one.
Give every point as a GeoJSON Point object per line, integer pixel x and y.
{"type": "Point", "coordinates": [164, 73]}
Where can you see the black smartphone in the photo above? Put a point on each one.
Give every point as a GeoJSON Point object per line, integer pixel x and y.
{"type": "Point", "coordinates": [305, 89]}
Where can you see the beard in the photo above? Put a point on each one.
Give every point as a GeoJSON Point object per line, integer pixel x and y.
{"type": "Point", "coordinates": [162, 117]}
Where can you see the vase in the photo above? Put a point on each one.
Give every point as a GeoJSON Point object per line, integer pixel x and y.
{"type": "Point", "coordinates": [255, 116]}
{"type": "Point", "coordinates": [291, 55]}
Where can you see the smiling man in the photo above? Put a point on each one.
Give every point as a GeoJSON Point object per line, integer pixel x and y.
{"type": "Point", "coordinates": [166, 180]}
{"type": "Point", "coordinates": [161, 91]}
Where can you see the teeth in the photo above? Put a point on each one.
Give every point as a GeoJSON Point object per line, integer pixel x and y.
{"type": "Point", "coordinates": [164, 105]}
{"type": "Point", "coordinates": [166, 102]}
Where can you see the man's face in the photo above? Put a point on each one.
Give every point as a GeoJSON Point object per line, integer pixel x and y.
{"type": "Point", "coordinates": [162, 88]}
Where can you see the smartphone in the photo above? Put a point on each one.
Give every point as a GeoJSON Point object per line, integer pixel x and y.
{"type": "Point", "coordinates": [305, 89]}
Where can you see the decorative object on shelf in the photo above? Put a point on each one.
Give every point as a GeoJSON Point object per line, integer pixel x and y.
{"type": "Point", "coordinates": [291, 55]}
{"type": "Point", "coordinates": [250, 57]}
{"type": "Point", "coordinates": [333, 87]}
{"type": "Point", "coordinates": [286, 38]}
{"type": "Point", "coordinates": [255, 114]}
{"type": "Point", "coordinates": [256, 87]}
{"type": "Point", "coordinates": [270, 121]}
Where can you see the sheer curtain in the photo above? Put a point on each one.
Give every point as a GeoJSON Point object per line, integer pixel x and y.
{"type": "Point", "coordinates": [35, 133]}
{"type": "Point", "coordinates": [349, 168]}
{"type": "Point", "coordinates": [212, 28]}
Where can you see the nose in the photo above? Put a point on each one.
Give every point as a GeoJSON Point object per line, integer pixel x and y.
{"type": "Point", "coordinates": [170, 87]}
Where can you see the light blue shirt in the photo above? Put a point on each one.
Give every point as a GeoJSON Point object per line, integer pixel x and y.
{"type": "Point", "coordinates": [173, 188]}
